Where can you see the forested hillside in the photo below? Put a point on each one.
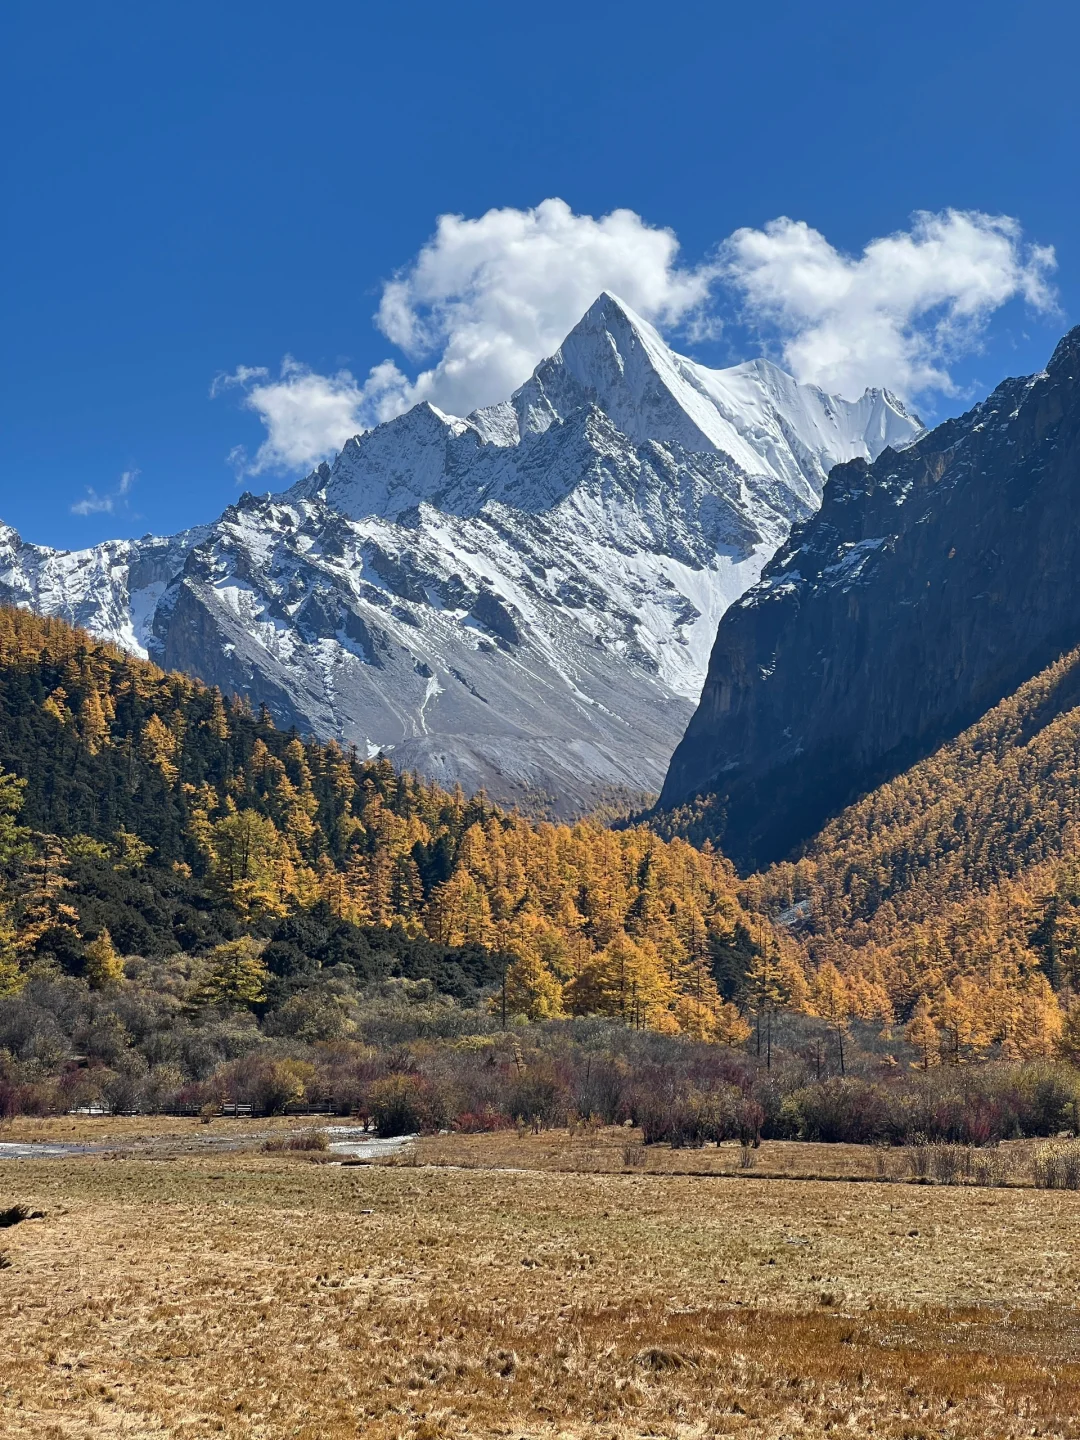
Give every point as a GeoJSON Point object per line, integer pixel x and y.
{"type": "Point", "coordinates": [195, 905]}
{"type": "Point", "coordinates": [154, 830]}
{"type": "Point", "coordinates": [957, 886]}
{"type": "Point", "coordinates": [146, 816]}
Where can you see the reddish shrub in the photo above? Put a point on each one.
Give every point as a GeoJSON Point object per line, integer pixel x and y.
{"type": "Point", "coordinates": [470, 1123]}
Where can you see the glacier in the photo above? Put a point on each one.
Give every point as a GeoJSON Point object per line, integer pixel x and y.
{"type": "Point", "coordinates": [522, 599]}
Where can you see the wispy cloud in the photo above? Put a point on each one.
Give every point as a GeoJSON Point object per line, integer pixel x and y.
{"type": "Point", "coordinates": [486, 299]}
{"type": "Point", "coordinates": [111, 501]}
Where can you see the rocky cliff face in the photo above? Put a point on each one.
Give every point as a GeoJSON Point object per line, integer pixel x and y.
{"type": "Point", "coordinates": [524, 598]}
{"type": "Point", "coordinates": [929, 585]}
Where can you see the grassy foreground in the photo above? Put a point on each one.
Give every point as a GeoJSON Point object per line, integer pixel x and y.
{"type": "Point", "coordinates": [263, 1295]}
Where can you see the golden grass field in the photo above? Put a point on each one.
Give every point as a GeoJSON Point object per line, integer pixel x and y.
{"type": "Point", "coordinates": [523, 1288]}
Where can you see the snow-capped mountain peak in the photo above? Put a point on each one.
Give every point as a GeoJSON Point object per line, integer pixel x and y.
{"type": "Point", "coordinates": [774, 429]}
{"type": "Point", "coordinates": [617, 360]}
{"type": "Point", "coordinates": [523, 598]}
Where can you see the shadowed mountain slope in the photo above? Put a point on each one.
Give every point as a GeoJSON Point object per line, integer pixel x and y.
{"type": "Point", "coordinates": [930, 584]}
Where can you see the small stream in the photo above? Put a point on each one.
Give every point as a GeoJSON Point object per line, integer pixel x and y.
{"type": "Point", "coordinates": [43, 1150]}
{"type": "Point", "coordinates": [351, 1142]}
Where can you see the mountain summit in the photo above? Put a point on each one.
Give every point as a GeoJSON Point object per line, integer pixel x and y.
{"type": "Point", "coordinates": [523, 598]}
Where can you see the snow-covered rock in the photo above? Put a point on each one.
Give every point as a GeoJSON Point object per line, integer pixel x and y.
{"type": "Point", "coordinates": [524, 598]}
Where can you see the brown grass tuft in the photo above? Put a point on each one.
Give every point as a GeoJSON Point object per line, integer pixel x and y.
{"type": "Point", "coordinates": [306, 1142]}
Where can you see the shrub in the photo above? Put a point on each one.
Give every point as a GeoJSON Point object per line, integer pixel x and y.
{"type": "Point", "coordinates": [981, 1105]}
{"type": "Point", "coordinates": [404, 1104]}
{"type": "Point", "coordinates": [82, 1089]}
{"type": "Point", "coordinates": [30, 1098]}
{"type": "Point", "coordinates": [279, 1085]}
{"type": "Point", "coordinates": [919, 1160]}
{"type": "Point", "coordinates": [990, 1168]}
{"type": "Point", "coordinates": [1048, 1097]}
{"type": "Point", "coordinates": [837, 1111]}
{"type": "Point", "coordinates": [634, 1155]}
{"type": "Point", "coordinates": [1057, 1166]}
{"type": "Point", "coordinates": [537, 1098]}
{"type": "Point", "coordinates": [950, 1164]}
{"type": "Point", "coordinates": [469, 1122]}
{"type": "Point", "coordinates": [310, 1016]}
{"type": "Point", "coordinates": [602, 1087]}
{"type": "Point", "coordinates": [270, 1086]}
{"type": "Point", "coordinates": [122, 1091]}
{"type": "Point", "coordinates": [692, 1118]}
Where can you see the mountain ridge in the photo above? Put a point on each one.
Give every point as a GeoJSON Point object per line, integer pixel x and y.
{"type": "Point", "coordinates": [522, 599]}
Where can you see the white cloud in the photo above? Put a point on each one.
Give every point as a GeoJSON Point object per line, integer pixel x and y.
{"type": "Point", "coordinates": [95, 504]}
{"type": "Point", "coordinates": [307, 416]}
{"type": "Point", "coordinates": [242, 375]}
{"type": "Point", "coordinates": [897, 314]}
{"type": "Point", "coordinates": [486, 299]}
{"type": "Point", "coordinates": [491, 297]}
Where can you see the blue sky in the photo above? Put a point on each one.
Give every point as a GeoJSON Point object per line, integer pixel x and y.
{"type": "Point", "coordinates": [194, 188]}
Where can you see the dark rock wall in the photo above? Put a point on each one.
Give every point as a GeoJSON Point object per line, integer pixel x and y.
{"type": "Point", "coordinates": [929, 585]}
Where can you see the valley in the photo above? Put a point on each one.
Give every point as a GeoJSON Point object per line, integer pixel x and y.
{"type": "Point", "coordinates": [540, 722]}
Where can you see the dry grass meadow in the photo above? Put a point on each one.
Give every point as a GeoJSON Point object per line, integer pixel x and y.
{"type": "Point", "coordinates": [524, 1287]}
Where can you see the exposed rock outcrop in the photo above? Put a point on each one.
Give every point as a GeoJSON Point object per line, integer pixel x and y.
{"type": "Point", "coordinates": [929, 585]}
